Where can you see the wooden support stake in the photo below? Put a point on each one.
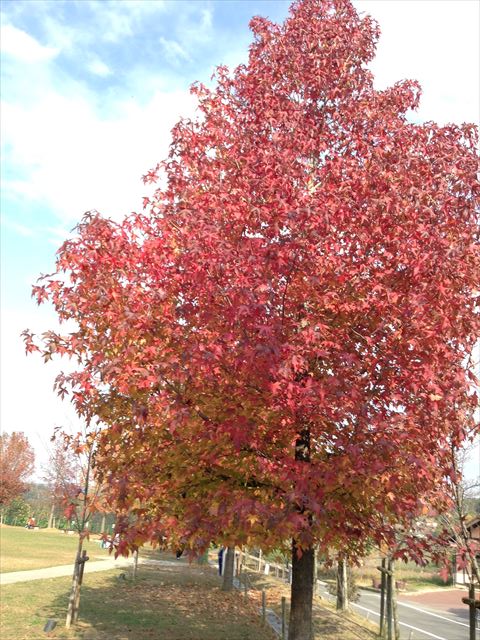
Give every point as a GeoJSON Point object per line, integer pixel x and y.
{"type": "Point", "coordinates": [73, 593]}
{"type": "Point", "coordinates": [284, 626]}
{"type": "Point", "coordinates": [389, 604]}
{"type": "Point", "coordinates": [472, 604]}
{"type": "Point", "coordinates": [245, 585]}
{"type": "Point", "coordinates": [396, 626]}
{"type": "Point", "coordinates": [264, 607]}
{"type": "Point", "coordinates": [82, 562]}
{"type": "Point", "coordinates": [383, 585]}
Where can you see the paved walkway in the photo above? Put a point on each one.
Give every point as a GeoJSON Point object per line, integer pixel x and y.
{"type": "Point", "coordinates": [62, 570]}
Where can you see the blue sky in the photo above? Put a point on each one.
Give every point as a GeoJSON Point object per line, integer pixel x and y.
{"type": "Point", "coordinates": [90, 91]}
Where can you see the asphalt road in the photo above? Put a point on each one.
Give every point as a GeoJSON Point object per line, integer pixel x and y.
{"type": "Point", "coordinates": [418, 621]}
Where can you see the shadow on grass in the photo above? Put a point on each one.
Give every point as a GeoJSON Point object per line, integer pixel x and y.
{"type": "Point", "coordinates": [175, 602]}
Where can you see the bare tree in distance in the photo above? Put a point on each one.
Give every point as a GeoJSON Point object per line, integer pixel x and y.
{"type": "Point", "coordinates": [456, 521]}
{"type": "Point", "coordinates": [82, 501]}
{"type": "Point", "coordinates": [62, 474]}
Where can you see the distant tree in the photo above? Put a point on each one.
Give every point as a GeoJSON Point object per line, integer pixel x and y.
{"type": "Point", "coordinates": [18, 511]}
{"type": "Point", "coordinates": [61, 474]}
{"type": "Point", "coordinates": [81, 499]}
{"type": "Point", "coordinates": [38, 497]}
{"type": "Point", "coordinates": [17, 464]}
{"type": "Point", "coordinates": [461, 491]}
{"type": "Point", "coordinates": [345, 588]}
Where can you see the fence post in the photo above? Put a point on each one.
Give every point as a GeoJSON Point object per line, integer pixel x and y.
{"type": "Point", "coordinates": [284, 626]}
{"type": "Point", "coordinates": [264, 607]}
{"type": "Point", "coordinates": [245, 585]}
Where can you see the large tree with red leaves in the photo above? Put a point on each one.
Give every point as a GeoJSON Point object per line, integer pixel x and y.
{"type": "Point", "coordinates": [279, 345]}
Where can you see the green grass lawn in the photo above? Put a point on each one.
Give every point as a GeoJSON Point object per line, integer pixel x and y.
{"type": "Point", "coordinates": [22, 549]}
{"type": "Point", "coordinates": [180, 602]}
{"type": "Point", "coordinates": [177, 601]}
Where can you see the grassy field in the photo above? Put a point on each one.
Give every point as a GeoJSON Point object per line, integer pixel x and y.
{"type": "Point", "coordinates": [23, 549]}
{"type": "Point", "coordinates": [178, 602]}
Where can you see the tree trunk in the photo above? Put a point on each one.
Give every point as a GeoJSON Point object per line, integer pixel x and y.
{"type": "Point", "coordinates": [315, 571]}
{"type": "Point", "coordinates": [102, 525]}
{"type": "Point", "coordinates": [300, 623]}
{"type": "Point", "coordinates": [396, 626]}
{"type": "Point", "coordinates": [135, 564]}
{"type": "Point", "coordinates": [75, 586]}
{"type": "Point", "coordinates": [50, 518]}
{"type": "Point", "coordinates": [227, 584]}
{"type": "Point", "coordinates": [342, 585]}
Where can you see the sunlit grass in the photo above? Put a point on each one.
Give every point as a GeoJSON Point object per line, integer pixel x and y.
{"type": "Point", "coordinates": [22, 549]}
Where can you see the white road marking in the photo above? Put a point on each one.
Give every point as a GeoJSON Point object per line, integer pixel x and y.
{"type": "Point", "coordinates": [436, 615]}
{"type": "Point", "coordinates": [404, 624]}
{"type": "Point", "coordinates": [411, 606]}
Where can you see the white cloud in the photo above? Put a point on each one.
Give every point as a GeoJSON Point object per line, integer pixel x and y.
{"type": "Point", "coordinates": [73, 160]}
{"type": "Point", "coordinates": [23, 46]}
{"type": "Point", "coordinates": [119, 20]}
{"type": "Point", "coordinates": [173, 51]}
{"type": "Point", "coordinates": [99, 68]}
{"type": "Point", "coordinates": [435, 43]}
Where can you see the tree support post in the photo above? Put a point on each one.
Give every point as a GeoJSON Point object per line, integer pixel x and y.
{"type": "Point", "coordinates": [396, 626]}
{"type": "Point", "coordinates": [74, 600]}
{"type": "Point", "coordinates": [383, 587]}
{"type": "Point", "coordinates": [84, 558]}
{"type": "Point", "coordinates": [473, 604]}
{"type": "Point", "coordinates": [387, 578]}
{"type": "Point", "coordinates": [284, 625]}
